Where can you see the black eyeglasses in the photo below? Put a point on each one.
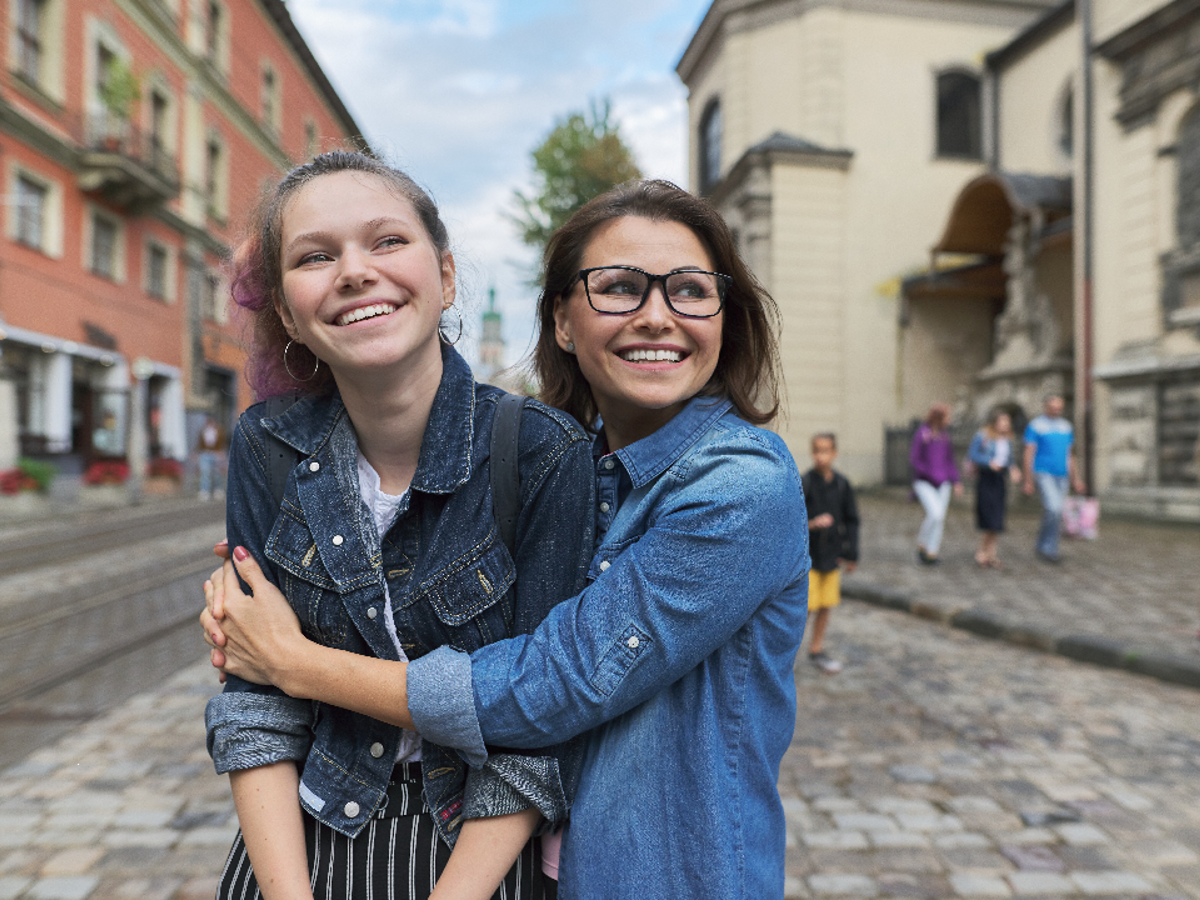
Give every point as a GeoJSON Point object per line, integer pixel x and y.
{"type": "Point", "coordinates": [621, 290]}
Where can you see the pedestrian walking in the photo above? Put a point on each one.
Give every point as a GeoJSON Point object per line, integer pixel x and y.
{"type": "Point", "coordinates": [991, 454]}
{"type": "Point", "coordinates": [935, 477]}
{"type": "Point", "coordinates": [833, 542]}
{"type": "Point", "coordinates": [211, 445]}
{"type": "Point", "coordinates": [1050, 463]}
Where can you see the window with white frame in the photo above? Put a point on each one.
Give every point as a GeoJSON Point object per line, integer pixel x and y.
{"type": "Point", "coordinates": [30, 202]}
{"type": "Point", "coordinates": [215, 176]}
{"type": "Point", "coordinates": [157, 271]}
{"type": "Point", "coordinates": [104, 246]}
{"type": "Point", "coordinates": [216, 34]}
{"type": "Point", "coordinates": [310, 138]}
{"type": "Point", "coordinates": [30, 39]}
{"type": "Point", "coordinates": [272, 111]}
{"type": "Point", "coordinates": [36, 33]}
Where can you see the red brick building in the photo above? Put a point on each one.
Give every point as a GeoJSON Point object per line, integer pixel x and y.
{"type": "Point", "coordinates": [135, 135]}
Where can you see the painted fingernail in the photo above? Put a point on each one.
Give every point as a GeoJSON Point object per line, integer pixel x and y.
{"type": "Point", "coordinates": [241, 554]}
{"type": "Point", "coordinates": [223, 542]}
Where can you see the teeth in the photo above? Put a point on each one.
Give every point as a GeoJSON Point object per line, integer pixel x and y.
{"type": "Point", "coordinates": [651, 355]}
{"type": "Point", "coordinates": [365, 312]}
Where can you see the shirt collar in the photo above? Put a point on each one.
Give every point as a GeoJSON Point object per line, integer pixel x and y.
{"type": "Point", "coordinates": [445, 461]}
{"type": "Point", "coordinates": [648, 458]}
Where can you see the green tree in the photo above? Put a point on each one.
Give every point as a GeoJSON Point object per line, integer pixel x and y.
{"type": "Point", "coordinates": [582, 157]}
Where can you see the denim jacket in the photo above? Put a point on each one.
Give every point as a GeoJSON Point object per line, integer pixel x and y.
{"type": "Point", "coordinates": [678, 656]}
{"type": "Point", "coordinates": [451, 579]}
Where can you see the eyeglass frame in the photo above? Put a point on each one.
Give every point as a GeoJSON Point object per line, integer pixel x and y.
{"type": "Point", "coordinates": [723, 284]}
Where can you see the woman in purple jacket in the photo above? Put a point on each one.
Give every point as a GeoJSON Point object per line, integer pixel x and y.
{"type": "Point", "coordinates": [934, 476]}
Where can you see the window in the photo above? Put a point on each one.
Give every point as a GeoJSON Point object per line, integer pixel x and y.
{"type": "Point", "coordinates": [959, 131]}
{"type": "Point", "coordinates": [213, 24]}
{"type": "Point", "coordinates": [30, 23]}
{"type": "Point", "coordinates": [710, 147]}
{"type": "Point", "coordinates": [1187, 215]}
{"type": "Point", "coordinates": [104, 246]}
{"type": "Point", "coordinates": [214, 159]}
{"type": "Point", "coordinates": [1066, 124]}
{"type": "Point", "coordinates": [270, 98]}
{"type": "Point", "coordinates": [159, 107]}
{"type": "Point", "coordinates": [156, 270]}
{"type": "Point", "coordinates": [31, 212]}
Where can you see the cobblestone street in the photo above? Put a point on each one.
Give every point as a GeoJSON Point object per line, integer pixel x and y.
{"type": "Point", "coordinates": [937, 765]}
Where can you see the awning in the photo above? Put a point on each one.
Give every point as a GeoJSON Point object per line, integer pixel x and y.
{"type": "Point", "coordinates": [984, 210]}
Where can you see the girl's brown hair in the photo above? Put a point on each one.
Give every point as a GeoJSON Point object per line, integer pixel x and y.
{"type": "Point", "coordinates": [257, 283]}
{"type": "Point", "coordinates": [748, 368]}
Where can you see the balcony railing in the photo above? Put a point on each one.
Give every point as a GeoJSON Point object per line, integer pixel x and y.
{"type": "Point", "coordinates": [130, 167]}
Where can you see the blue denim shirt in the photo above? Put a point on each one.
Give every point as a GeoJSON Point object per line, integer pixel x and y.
{"type": "Point", "coordinates": [451, 579]}
{"type": "Point", "coordinates": [678, 656]}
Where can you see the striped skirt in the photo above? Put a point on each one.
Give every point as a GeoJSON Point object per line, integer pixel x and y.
{"type": "Point", "coordinates": [398, 856]}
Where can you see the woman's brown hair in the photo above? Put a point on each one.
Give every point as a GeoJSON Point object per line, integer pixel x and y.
{"type": "Point", "coordinates": [748, 368]}
{"type": "Point", "coordinates": [257, 283]}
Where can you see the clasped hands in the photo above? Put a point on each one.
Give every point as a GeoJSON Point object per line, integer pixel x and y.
{"type": "Point", "coordinates": [253, 636]}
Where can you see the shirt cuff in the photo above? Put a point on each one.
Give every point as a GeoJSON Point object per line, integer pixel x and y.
{"type": "Point", "coordinates": [441, 701]}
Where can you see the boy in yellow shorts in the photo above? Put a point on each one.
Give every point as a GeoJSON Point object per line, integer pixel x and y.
{"type": "Point", "coordinates": [833, 543]}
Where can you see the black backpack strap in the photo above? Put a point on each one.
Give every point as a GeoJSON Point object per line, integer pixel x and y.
{"type": "Point", "coordinates": [281, 457]}
{"type": "Point", "coordinates": [506, 477]}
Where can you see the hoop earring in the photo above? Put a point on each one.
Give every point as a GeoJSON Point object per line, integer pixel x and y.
{"type": "Point", "coordinates": [446, 340]}
{"type": "Point", "coordinates": [288, 369]}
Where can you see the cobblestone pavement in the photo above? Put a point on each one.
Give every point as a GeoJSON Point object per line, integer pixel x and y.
{"type": "Point", "coordinates": [937, 765]}
{"type": "Point", "coordinates": [941, 765]}
{"type": "Point", "coordinates": [1132, 596]}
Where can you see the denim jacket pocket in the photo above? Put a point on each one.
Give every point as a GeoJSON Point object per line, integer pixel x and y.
{"type": "Point", "coordinates": [306, 583]}
{"type": "Point", "coordinates": [465, 597]}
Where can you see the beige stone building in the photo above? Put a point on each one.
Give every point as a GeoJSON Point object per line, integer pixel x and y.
{"type": "Point", "coordinates": [834, 135]}
{"type": "Point", "coordinates": [1065, 243]}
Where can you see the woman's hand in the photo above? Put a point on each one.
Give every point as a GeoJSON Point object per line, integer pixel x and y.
{"type": "Point", "coordinates": [257, 636]}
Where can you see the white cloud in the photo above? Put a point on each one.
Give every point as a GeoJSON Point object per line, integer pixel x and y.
{"type": "Point", "coordinates": [459, 92]}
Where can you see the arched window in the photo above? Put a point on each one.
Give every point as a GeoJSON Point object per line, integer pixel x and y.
{"type": "Point", "coordinates": [710, 146]}
{"type": "Point", "coordinates": [1187, 217]}
{"type": "Point", "coordinates": [959, 132]}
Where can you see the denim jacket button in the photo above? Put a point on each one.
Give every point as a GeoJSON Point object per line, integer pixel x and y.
{"type": "Point", "coordinates": [314, 466]}
{"type": "Point", "coordinates": [351, 810]}
{"type": "Point", "coordinates": [604, 506]}
{"type": "Point", "coordinates": [633, 642]}
{"type": "Point", "coordinates": [608, 464]}
{"type": "Point", "coordinates": [337, 540]}
{"type": "Point", "coordinates": [372, 613]}
{"type": "Point", "coordinates": [604, 566]}
{"type": "Point", "coordinates": [377, 749]}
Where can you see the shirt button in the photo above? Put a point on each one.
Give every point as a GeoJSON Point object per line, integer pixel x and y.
{"type": "Point", "coordinates": [351, 810]}
{"type": "Point", "coordinates": [314, 466]}
{"type": "Point", "coordinates": [633, 642]}
{"type": "Point", "coordinates": [372, 613]}
{"type": "Point", "coordinates": [604, 507]}
{"type": "Point", "coordinates": [337, 540]}
{"type": "Point", "coordinates": [604, 566]}
{"type": "Point", "coordinates": [608, 464]}
{"type": "Point", "coordinates": [377, 749]}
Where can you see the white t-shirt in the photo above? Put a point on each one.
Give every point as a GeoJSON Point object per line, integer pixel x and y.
{"type": "Point", "coordinates": [383, 510]}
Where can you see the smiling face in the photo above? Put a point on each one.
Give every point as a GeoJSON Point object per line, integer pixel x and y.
{"type": "Point", "coordinates": [644, 366]}
{"type": "Point", "coordinates": [364, 286]}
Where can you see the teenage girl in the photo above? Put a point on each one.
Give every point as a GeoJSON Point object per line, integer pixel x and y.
{"type": "Point", "coordinates": [385, 546]}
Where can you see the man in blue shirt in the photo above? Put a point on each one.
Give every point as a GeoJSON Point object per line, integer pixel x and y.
{"type": "Point", "coordinates": [1050, 461]}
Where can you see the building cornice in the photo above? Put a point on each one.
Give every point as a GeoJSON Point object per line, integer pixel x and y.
{"type": "Point", "coordinates": [731, 16]}
{"type": "Point", "coordinates": [778, 148]}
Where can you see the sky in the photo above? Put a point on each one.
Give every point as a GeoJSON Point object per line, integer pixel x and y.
{"type": "Point", "coordinates": [458, 93]}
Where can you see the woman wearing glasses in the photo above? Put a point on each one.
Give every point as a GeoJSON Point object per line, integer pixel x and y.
{"type": "Point", "coordinates": [676, 660]}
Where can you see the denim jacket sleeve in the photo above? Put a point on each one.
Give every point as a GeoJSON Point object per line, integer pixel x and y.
{"type": "Point", "coordinates": [250, 725]}
{"type": "Point", "coordinates": [730, 534]}
{"type": "Point", "coordinates": [552, 549]}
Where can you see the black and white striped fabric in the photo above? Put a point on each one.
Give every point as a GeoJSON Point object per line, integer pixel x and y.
{"type": "Point", "coordinates": [398, 856]}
